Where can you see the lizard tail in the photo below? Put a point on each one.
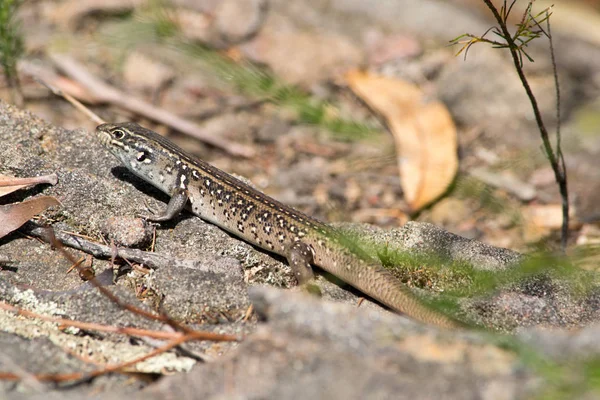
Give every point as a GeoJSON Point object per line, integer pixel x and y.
{"type": "Point", "coordinates": [383, 286]}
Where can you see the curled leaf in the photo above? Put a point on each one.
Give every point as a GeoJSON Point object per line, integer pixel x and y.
{"type": "Point", "coordinates": [12, 216]}
{"type": "Point", "coordinates": [9, 184]}
{"type": "Point", "coordinates": [423, 130]}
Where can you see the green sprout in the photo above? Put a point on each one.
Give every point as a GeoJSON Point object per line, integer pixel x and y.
{"type": "Point", "coordinates": [11, 46]}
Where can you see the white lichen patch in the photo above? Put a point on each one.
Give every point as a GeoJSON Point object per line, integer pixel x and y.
{"type": "Point", "coordinates": [102, 351]}
{"type": "Point", "coordinates": [27, 299]}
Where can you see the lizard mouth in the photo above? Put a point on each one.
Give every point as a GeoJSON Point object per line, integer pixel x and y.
{"type": "Point", "coordinates": [103, 134]}
{"type": "Point", "coordinates": [103, 137]}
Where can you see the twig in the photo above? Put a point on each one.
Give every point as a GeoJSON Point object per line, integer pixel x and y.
{"type": "Point", "coordinates": [52, 179]}
{"type": "Point", "coordinates": [248, 313]}
{"type": "Point", "coordinates": [198, 335]}
{"type": "Point", "coordinates": [109, 94]}
{"type": "Point", "coordinates": [77, 264]}
{"type": "Point", "coordinates": [176, 339]}
{"type": "Point", "coordinates": [153, 260]}
{"type": "Point", "coordinates": [111, 368]}
{"type": "Point", "coordinates": [183, 333]}
{"type": "Point", "coordinates": [48, 235]}
{"type": "Point", "coordinates": [99, 250]}
{"type": "Point", "coordinates": [78, 235]}
{"type": "Point", "coordinates": [94, 117]}
{"type": "Point", "coordinates": [564, 193]}
{"type": "Point", "coordinates": [48, 77]}
{"type": "Point", "coordinates": [24, 376]}
{"type": "Point", "coordinates": [160, 350]}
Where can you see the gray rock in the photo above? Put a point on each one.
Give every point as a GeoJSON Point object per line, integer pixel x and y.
{"type": "Point", "coordinates": [236, 21]}
{"type": "Point", "coordinates": [421, 237]}
{"type": "Point", "coordinates": [22, 357]}
{"type": "Point", "coordinates": [564, 345]}
{"type": "Point", "coordinates": [214, 284]}
{"type": "Point", "coordinates": [425, 239]}
{"type": "Point", "coordinates": [321, 350]}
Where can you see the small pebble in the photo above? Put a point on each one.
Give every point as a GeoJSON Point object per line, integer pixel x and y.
{"type": "Point", "coordinates": [128, 231]}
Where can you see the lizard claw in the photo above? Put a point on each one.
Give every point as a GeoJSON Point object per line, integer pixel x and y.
{"type": "Point", "coordinates": [153, 211]}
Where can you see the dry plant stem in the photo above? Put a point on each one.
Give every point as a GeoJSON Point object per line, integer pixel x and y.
{"type": "Point", "coordinates": [74, 102]}
{"type": "Point", "coordinates": [98, 250]}
{"type": "Point", "coordinates": [557, 163]}
{"type": "Point", "coordinates": [197, 335]}
{"type": "Point", "coordinates": [176, 339]}
{"type": "Point", "coordinates": [172, 344]}
{"type": "Point", "coordinates": [111, 368]}
{"type": "Point", "coordinates": [26, 378]}
{"type": "Point", "coordinates": [47, 234]}
{"type": "Point", "coordinates": [55, 82]}
{"type": "Point", "coordinates": [111, 95]}
{"type": "Point", "coordinates": [563, 189]}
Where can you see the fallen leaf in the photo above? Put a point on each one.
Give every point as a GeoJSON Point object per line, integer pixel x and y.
{"type": "Point", "coordinates": [424, 133]}
{"type": "Point", "coordinates": [589, 235]}
{"type": "Point", "coordinates": [9, 184]}
{"type": "Point", "coordinates": [15, 215]}
{"type": "Point", "coordinates": [544, 215]}
{"type": "Point", "coordinates": [539, 220]}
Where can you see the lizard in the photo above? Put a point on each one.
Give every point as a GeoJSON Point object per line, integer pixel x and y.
{"type": "Point", "coordinates": [227, 202]}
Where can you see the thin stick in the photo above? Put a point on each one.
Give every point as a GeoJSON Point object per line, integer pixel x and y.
{"type": "Point", "coordinates": [76, 103]}
{"type": "Point", "coordinates": [109, 94]}
{"type": "Point", "coordinates": [563, 184]}
{"type": "Point", "coordinates": [52, 179]}
{"type": "Point", "coordinates": [110, 368]}
{"type": "Point", "coordinates": [78, 242]}
{"type": "Point", "coordinates": [48, 235]}
{"type": "Point", "coordinates": [90, 326]}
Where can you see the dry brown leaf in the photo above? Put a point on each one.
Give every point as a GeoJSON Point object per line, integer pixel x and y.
{"type": "Point", "coordinates": [9, 184]}
{"type": "Point", "coordinates": [424, 133]}
{"type": "Point", "coordinates": [589, 235]}
{"type": "Point", "coordinates": [547, 216]}
{"type": "Point", "coordinates": [539, 220]}
{"type": "Point", "coordinates": [12, 216]}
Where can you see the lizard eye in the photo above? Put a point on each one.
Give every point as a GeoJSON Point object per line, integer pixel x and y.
{"type": "Point", "coordinates": [118, 134]}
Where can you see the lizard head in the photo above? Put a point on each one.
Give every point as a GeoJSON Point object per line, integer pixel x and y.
{"type": "Point", "coordinates": [142, 151]}
{"type": "Point", "coordinates": [127, 141]}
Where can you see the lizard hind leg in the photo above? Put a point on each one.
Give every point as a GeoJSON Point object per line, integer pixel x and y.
{"type": "Point", "coordinates": [300, 258]}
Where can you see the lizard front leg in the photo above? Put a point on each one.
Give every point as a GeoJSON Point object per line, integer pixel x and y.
{"type": "Point", "coordinates": [175, 206]}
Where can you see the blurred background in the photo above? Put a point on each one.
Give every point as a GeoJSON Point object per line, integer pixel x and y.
{"type": "Point", "coordinates": [348, 110]}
